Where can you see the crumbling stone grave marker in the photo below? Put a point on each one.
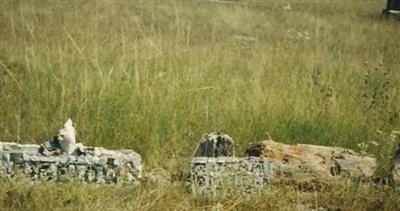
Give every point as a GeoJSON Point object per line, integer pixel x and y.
{"type": "Point", "coordinates": [61, 159]}
{"type": "Point", "coordinates": [229, 175]}
{"type": "Point", "coordinates": [215, 171]}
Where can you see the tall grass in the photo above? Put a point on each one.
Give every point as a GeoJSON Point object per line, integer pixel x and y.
{"type": "Point", "coordinates": [155, 76]}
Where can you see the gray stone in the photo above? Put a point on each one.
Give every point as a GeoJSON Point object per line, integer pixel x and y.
{"type": "Point", "coordinates": [215, 171]}
{"type": "Point", "coordinates": [216, 144]}
{"type": "Point", "coordinates": [229, 175]}
{"type": "Point", "coordinates": [86, 164]}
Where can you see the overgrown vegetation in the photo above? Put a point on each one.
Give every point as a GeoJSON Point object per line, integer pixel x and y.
{"type": "Point", "coordinates": [156, 76]}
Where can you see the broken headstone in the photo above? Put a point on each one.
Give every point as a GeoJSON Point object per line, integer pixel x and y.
{"type": "Point", "coordinates": [63, 142]}
{"type": "Point", "coordinates": [66, 137]}
{"type": "Point", "coordinates": [96, 165]}
{"type": "Point", "coordinates": [62, 159]}
{"type": "Point", "coordinates": [216, 144]}
{"type": "Point", "coordinates": [215, 171]}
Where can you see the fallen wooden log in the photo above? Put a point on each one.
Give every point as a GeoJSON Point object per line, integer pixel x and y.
{"type": "Point", "coordinates": [307, 164]}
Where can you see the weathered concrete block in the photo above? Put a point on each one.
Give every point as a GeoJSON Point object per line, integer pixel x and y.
{"type": "Point", "coordinates": [215, 171]}
{"type": "Point", "coordinates": [229, 175]}
{"type": "Point", "coordinates": [86, 164]}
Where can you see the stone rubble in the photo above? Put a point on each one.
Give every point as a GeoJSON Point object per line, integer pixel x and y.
{"type": "Point", "coordinates": [62, 159]}
{"type": "Point", "coordinates": [86, 164]}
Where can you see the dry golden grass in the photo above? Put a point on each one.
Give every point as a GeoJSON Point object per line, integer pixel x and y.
{"type": "Point", "coordinates": [155, 76]}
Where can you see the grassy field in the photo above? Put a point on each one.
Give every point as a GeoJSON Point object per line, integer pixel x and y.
{"type": "Point", "coordinates": [155, 76]}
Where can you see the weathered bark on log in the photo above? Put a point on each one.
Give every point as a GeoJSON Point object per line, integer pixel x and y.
{"type": "Point", "coordinates": [305, 164]}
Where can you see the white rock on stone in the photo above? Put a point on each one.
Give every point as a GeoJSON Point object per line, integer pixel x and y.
{"type": "Point", "coordinates": [66, 137]}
